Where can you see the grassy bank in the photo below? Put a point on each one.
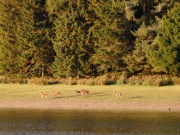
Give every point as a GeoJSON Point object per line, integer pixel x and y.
{"type": "Point", "coordinates": [130, 93]}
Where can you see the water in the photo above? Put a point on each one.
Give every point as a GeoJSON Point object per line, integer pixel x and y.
{"type": "Point", "coordinates": [72, 122]}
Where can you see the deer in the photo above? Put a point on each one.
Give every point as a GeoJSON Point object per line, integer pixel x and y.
{"type": "Point", "coordinates": [43, 94]}
{"type": "Point", "coordinates": [117, 94]}
{"type": "Point", "coordinates": [84, 91]}
{"type": "Point", "coordinates": [56, 93]}
{"type": "Point", "coordinates": [78, 92]}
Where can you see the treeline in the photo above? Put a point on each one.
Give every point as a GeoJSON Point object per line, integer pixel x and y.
{"type": "Point", "coordinates": [85, 38]}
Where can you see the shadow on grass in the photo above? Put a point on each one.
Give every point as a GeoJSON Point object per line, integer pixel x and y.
{"type": "Point", "coordinates": [100, 94]}
{"type": "Point", "coordinates": [136, 97]}
{"type": "Point", "coordinates": [60, 97]}
{"type": "Point", "coordinates": [96, 94]}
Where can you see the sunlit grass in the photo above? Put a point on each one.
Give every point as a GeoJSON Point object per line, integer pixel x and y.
{"type": "Point", "coordinates": [130, 93]}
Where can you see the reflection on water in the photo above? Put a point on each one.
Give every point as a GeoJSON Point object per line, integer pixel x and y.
{"type": "Point", "coordinates": [72, 122]}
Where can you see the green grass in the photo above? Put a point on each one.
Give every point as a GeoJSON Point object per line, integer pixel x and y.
{"type": "Point", "coordinates": [130, 93]}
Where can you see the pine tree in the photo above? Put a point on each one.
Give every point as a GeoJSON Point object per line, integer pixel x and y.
{"type": "Point", "coordinates": [26, 36]}
{"type": "Point", "coordinates": [137, 61]}
{"type": "Point", "coordinates": [72, 42]}
{"type": "Point", "coordinates": [9, 19]}
{"type": "Point", "coordinates": [44, 55]}
{"type": "Point", "coordinates": [110, 32]}
{"type": "Point", "coordinates": [149, 23]}
{"type": "Point", "coordinates": [164, 53]}
{"type": "Point", "coordinates": [26, 48]}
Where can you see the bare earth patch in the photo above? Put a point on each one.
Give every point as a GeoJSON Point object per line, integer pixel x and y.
{"type": "Point", "coordinates": [126, 106]}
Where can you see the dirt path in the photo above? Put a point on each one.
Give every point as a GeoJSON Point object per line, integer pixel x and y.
{"type": "Point", "coordinates": [128, 106]}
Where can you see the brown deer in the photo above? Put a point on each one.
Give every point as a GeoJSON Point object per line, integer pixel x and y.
{"type": "Point", "coordinates": [78, 92]}
{"type": "Point", "coordinates": [56, 93]}
{"type": "Point", "coordinates": [117, 94]}
{"type": "Point", "coordinates": [84, 92]}
{"type": "Point", "coordinates": [43, 94]}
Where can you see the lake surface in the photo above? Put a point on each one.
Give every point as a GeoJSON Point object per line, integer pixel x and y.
{"type": "Point", "coordinates": [73, 122]}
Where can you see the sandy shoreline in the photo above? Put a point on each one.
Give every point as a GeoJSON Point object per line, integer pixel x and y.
{"type": "Point", "coordinates": [124, 106]}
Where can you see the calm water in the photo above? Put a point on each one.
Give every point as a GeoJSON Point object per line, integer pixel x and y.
{"type": "Point", "coordinates": [71, 122]}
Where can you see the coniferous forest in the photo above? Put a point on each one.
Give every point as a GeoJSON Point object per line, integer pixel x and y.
{"type": "Point", "coordinates": [87, 38]}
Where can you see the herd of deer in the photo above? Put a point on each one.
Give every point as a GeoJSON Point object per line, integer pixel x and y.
{"type": "Point", "coordinates": [79, 92]}
{"type": "Point", "coordinates": [54, 93]}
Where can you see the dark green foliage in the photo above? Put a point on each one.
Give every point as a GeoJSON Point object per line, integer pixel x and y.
{"type": "Point", "coordinates": [85, 38]}
{"type": "Point", "coordinates": [136, 61]}
{"type": "Point", "coordinates": [26, 36]}
{"type": "Point", "coordinates": [26, 48]}
{"type": "Point", "coordinates": [34, 39]}
{"type": "Point", "coordinates": [109, 35]}
{"type": "Point", "coordinates": [149, 25]}
{"type": "Point", "coordinates": [72, 44]}
{"type": "Point", "coordinates": [164, 53]}
{"type": "Point", "coordinates": [9, 19]}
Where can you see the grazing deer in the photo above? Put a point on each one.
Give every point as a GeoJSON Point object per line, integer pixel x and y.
{"type": "Point", "coordinates": [78, 92]}
{"type": "Point", "coordinates": [43, 94]}
{"type": "Point", "coordinates": [56, 93]}
{"type": "Point", "coordinates": [117, 94]}
{"type": "Point", "coordinates": [84, 91]}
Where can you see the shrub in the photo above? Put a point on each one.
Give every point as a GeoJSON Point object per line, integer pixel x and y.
{"type": "Point", "coordinates": [7, 80]}
{"type": "Point", "coordinates": [176, 80]}
{"type": "Point", "coordinates": [106, 79]}
{"type": "Point", "coordinates": [90, 81]}
{"type": "Point", "coordinates": [21, 81]}
{"type": "Point", "coordinates": [156, 80]}
{"type": "Point", "coordinates": [166, 82]}
{"type": "Point", "coordinates": [122, 79]}
{"type": "Point", "coordinates": [134, 80]}
{"type": "Point", "coordinates": [38, 81]}
{"type": "Point", "coordinates": [81, 81]}
{"type": "Point", "coordinates": [4, 80]}
{"type": "Point", "coordinates": [53, 81]}
{"type": "Point", "coordinates": [71, 81]}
